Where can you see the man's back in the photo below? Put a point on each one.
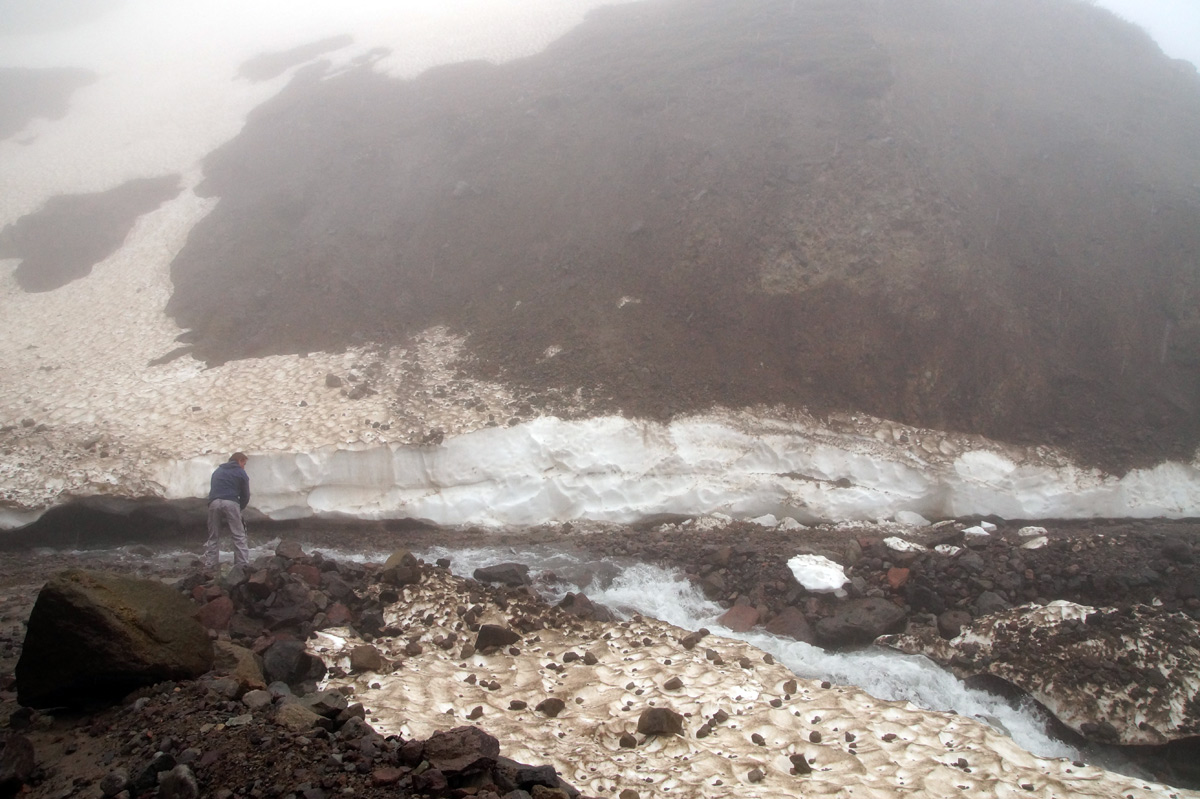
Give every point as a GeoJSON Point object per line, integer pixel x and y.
{"type": "Point", "coordinates": [231, 482]}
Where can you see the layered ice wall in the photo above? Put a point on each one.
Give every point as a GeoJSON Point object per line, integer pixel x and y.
{"type": "Point", "coordinates": [620, 470]}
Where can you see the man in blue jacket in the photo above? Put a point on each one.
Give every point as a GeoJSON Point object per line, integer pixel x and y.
{"type": "Point", "coordinates": [228, 496]}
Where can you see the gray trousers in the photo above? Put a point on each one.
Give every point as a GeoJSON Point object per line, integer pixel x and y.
{"type": "Point", "coordinates": [225, 512]}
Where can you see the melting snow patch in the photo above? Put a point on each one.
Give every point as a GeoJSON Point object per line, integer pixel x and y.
{"type": "Point", "coordinates": [818, 574]}
{"type": "Point", "coordinates": [901, 545]}
{"type": "Point", "coordinates": [911, 519]}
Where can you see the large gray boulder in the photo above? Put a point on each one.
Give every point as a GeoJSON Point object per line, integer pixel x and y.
{"type": "Point", "coordinates": [94, 637]}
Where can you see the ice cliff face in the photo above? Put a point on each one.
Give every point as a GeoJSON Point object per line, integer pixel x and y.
{"type": "Point", "coordinates": [620, 470]}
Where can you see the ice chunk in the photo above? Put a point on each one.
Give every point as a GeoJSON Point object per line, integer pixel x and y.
{"type": "Point", "coordinates": [818, 574]}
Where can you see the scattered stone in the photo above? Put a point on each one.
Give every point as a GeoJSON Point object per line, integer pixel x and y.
{"type": "Point", "coordinates": [365, 657]}
{"type": "Point", "coordinates": [551, 706]}
{"type": "Point", "coordinates": [492, 635]}
{"type": "Point", "coordinates": [511, 574]}
{"type": "Point", "coordinates": [660, 721]}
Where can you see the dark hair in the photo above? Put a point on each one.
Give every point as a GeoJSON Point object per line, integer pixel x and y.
{"type": "Point", "coordinates": [238, 456]}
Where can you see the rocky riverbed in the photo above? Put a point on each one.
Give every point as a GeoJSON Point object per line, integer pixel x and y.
{"type": "Point", "coordinates": [424, 634]}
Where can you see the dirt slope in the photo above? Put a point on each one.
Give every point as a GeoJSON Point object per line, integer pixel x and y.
{"type": "Point", "coordinates": [979, 216]}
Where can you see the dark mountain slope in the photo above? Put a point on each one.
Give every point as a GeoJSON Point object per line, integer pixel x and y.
{"type": "Point", "coordinates": [981, 216]}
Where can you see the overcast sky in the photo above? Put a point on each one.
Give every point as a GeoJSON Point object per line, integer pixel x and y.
{"type": "Point", "coordinates": [1174, 24]}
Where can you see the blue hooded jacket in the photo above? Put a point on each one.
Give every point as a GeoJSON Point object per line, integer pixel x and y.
{"type": "Point", "coordinates": [230, 481]}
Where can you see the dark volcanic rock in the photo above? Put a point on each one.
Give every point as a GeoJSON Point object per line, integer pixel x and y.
{"type": "Point", "coordinates": [462, 749]}
{"type": "Point", "coordinates": [579, 605]}
{"type": "Point", "coordinates": [791, 623]}
{"type": "Point", "coordinates": [289, 662]}
{"type": "Point", "coordinates": [514, 574]}
{"type": "Point", "coordinates": [860, 621]}
{"type": "Point", "coordinates": [94, 636]}
{"type": "Point", "coordinates": [660, 721]}
{"type": "Point", "coordinates": [492, 635]}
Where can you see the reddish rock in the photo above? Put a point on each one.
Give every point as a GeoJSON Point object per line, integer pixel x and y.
{"type": "Point", "coordinates": [739, 618]}
{"type": "Point", "coordinates": [216, 614]}
{"type": "Point", "coordinates": [386, 776]}
{"type": "Point", "coordinates": [338, 614]}
{"type": "Point", "coordinates": [309, 574]}
{"type": "Point", "coordinates": [897, 577]}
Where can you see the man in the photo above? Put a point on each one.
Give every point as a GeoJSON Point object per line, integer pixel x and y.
{"type": "Point", "coordinates": [228, 496]}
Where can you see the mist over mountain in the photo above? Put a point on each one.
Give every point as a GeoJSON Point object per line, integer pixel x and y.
{"type": "Point", "coordinates": [979, 217]}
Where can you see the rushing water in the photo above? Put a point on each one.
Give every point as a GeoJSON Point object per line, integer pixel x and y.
{"type": "Point", "coordinates": [666, 594]}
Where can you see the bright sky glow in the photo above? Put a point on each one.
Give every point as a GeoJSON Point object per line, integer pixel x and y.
{"type": "Point", "coordinates": [1174, 24]}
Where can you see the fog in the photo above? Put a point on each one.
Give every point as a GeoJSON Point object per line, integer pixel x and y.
{"type": "Point", "coordinates": [1174, 24]}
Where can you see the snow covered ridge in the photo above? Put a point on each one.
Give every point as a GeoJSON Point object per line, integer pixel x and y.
{"type": "Point", "coordinates": [620, 470]}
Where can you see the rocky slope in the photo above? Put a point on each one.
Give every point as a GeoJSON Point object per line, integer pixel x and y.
{"type": "Point", "coordinates": [980, 218]}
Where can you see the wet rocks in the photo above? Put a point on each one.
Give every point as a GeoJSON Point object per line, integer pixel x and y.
{"type": "Point", "coordinates": [511, 574]}
{"type": "Point", "coordinates": [860, 621]}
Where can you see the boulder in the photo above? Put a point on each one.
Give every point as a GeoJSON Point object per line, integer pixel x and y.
{"type": "Point", "coordinates": [860, 621]}
{"type": "Point", "coordinates": [239, 663]}
{"type": "Point", "coordinates": [792, 623]}
{"type": "Point", "coordinates": [660, 721]}
{"type": "Point", "coordinates": [297, 718]}
{"type": "Point", "coordinates": [365, 657]}
{"type": "Point", "coordinates": [461, 749]}
{"type": "Point", "coordinates": [739, 618]}
{"type": "Point", "coordinates": [951, 622]}
{"type": "Point", "coordinates": [290, 550]}
{"type": "Point", "coordinates": [495, 635]}
{"type": "Point", "coordinates": [400, 569]}
{"type": "Point", "coordinates": [990, 602]}
{"type": "Point", "coordinates": [289, 662]}
{"type": "Point", "coordinates": [512, 574]}
{"type": "Point", "coordinates": [579, 605]}
{"type": "Point", "coordinates": [94, 637]}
